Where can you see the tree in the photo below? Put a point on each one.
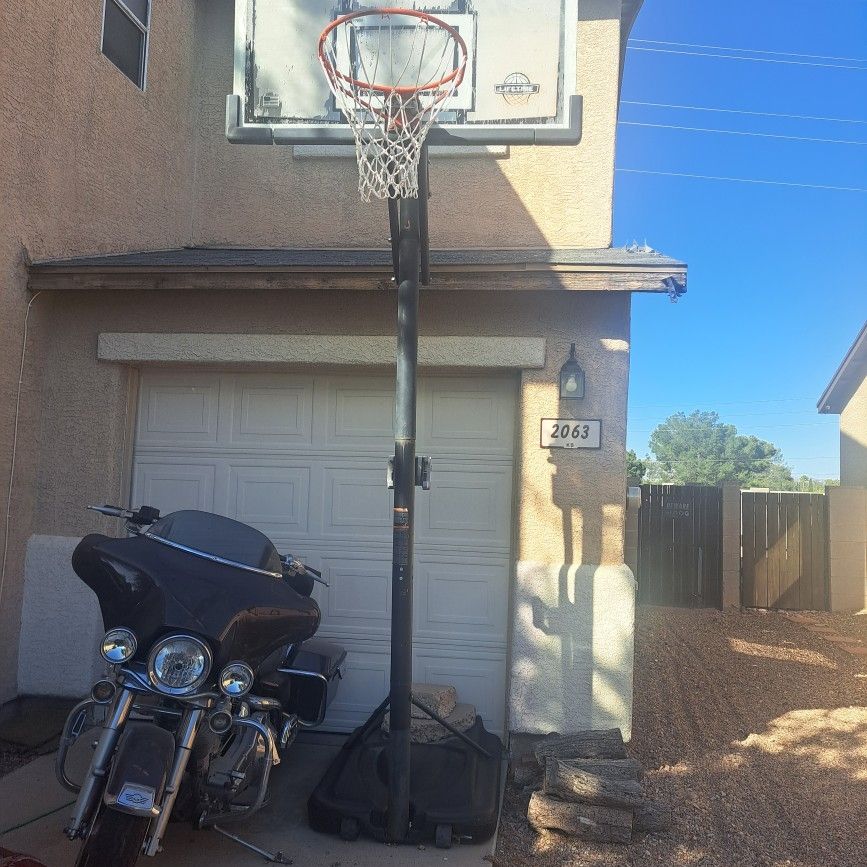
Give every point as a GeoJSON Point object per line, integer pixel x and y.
{"type": "Point", "coordinates": [699, 449]}
{"type": "Point", "coordinates": [636, 469]}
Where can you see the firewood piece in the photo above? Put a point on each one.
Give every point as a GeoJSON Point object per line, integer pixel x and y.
{"type": "Point", "coordinates": [570, 784]}
{"type": "Point", "coordinates": [527, 773]}
{"type": "Point", "coordinates": [615, 769]}
{"type": "Point", "coordinates": [596, 824]}
{"type": "Point", "coordinates": [583, 745]}
{"type": "Point", "coordinates": [651, 816]}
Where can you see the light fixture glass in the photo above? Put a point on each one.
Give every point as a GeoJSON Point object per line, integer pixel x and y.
{"type": "Point", "coordinates": [571, 378]}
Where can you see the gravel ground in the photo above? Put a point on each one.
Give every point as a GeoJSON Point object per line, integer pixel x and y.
{"type": "Point", "coordinates": [755, 731]}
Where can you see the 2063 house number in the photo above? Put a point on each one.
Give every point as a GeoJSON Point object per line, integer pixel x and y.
{"type": "Point", "coordinates": [571, 433]}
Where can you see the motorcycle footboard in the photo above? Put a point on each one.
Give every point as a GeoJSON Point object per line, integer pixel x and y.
{"type": "Point", "coordinates": [141, 764]}
{"type": "Point", "coordinates": [451, 783]}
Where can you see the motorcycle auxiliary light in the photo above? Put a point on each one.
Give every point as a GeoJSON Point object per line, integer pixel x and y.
{"type": "Point", "coordinates": [236, 679]}
{"type": "Point", "coordinates": [102, 692]}
{"type": "Point", "coordinates": [220, 721]}
{"type": "Point", "coordinates": [119, 645]}
{"type": "Point", "coordinates": [179, 664]}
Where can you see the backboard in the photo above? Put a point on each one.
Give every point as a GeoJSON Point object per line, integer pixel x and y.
{"type": "Point", "coordinates": [519, 87]}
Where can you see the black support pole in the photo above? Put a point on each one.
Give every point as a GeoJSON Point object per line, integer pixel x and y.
{"type": "Point", "coordinates": [404, 498]}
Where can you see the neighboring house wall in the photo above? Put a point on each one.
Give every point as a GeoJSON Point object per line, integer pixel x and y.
{"type": "Point", "coordinates": [544, 196]}
{"type": "Point", "coordinates": [847, 547]}
{"type": "Point", "coordinates": [88, 164]}
{"type": "Point", "coordinates": [853, 439]}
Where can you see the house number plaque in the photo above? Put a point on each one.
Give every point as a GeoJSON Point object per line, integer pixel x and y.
{"type": "Point", "coordinates": [571, 433]}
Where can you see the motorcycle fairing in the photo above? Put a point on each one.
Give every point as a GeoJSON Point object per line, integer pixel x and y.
{"type": "Point", "coordinates": [152, 589]}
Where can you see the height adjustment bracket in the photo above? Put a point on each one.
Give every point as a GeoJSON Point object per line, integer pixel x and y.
{"type": "Point", "coordinates": [422, 473]}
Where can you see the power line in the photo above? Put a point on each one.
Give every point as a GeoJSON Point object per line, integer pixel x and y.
{"type": "Point", "coordinates": [740, 414]}
{"type": "Point", "coordinates": [742, 132]}
{"type": "Point", "coordinates": [743, 111]}
{"type": "Point", "coordinates": [750, 50]}
{"type": "Point", "coordinates": [729, 403]}
{"type": "Point", "coordinates": [746, 461]}
{"type": "Point", "coordinates": [745, 180]}
{"type": "Point", "coordinates": [752, 427]}
{"type": "Point", "coordinates": [739, 57]}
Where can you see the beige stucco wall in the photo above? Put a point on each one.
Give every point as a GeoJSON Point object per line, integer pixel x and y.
{"type": "Point", "coordinates": [853, 439]}
{"type": "Point", "coordinates": [541, 196]}
{"type": "Point", "coordinates": [88, 164]}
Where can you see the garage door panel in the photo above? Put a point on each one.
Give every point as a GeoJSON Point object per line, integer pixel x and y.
{"type": "Point", "coordinates": [466, 507]}
{"type": "Point", "coordinates": [364, 685]}
{"type": "Point", "coordinates": [272, 499]}
{"type": "Point", "coordinates": [458, 416]}
{"type": "Point", "coordinates": [358, 598]}
{"type": "Point", "coordinates": [361, 414]}
{"type": "Point", "coordinates": [273, 409]}
{"type": "Point", "coordinates": [175, 412]}
{"type": "Point", "coordinates": [357, 503]}
{"type": "Point", "coordinates": [466, 601]}
{"type": "Point", "coordinates": [170, 487]}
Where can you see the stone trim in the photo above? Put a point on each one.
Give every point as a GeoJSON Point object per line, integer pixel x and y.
{"type": "Point", "coordinates": [351, 350]}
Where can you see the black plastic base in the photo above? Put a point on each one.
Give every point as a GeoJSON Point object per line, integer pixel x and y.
{"type": "Point", "coordinates": [450, 784]}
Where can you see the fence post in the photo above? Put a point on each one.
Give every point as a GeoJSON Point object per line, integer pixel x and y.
{"type": "Point", "coordinates": [633, 504]}
{"type": "Point", "coordinates": [731, 545]}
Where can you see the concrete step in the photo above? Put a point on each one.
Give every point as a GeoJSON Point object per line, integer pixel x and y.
{"type": "Point", "coordinates": [429, 731]}
{"type": "Point", "coordinates": [439, 697]}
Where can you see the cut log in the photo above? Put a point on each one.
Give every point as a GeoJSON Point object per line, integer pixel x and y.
{"type": "Point", "coordinates": [582, 745]}
{"type": "Point", "coordinates": [570, 784]}
{"type": "Point", "coordinates": [651, 816]}
{"type": "Point", "coordinates": [615, 769]}
{"type": "Point", "coordinates": [597, 824]}
{"type": "Point", "coordinates": [527, 773]}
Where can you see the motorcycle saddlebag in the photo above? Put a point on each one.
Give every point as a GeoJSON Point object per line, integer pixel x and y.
{"type": "Point", "coordinates": [309, 677]}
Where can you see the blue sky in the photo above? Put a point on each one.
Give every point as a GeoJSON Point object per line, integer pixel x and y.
{"type": "Point", "coordinates": [777, 277]}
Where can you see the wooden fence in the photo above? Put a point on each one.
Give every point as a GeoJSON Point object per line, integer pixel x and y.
{"type": "Point", "coordinates": [680, 545]}
{"type": "Point", "coordinates": [784, 550]}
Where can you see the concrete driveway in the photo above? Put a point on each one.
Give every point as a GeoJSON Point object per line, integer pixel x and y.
{"type": "Point", "coordinates": [34, 805]}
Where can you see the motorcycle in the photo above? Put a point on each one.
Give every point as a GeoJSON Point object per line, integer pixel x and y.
{"type": "Point", "coordinates": [213, 670]}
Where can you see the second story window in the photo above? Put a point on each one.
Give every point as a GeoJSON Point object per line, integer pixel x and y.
{"type": "Point", "coordinates": [125, 37]}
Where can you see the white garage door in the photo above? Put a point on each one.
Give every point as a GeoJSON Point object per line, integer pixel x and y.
{"type": "Point", "coordinates": [302, 457]}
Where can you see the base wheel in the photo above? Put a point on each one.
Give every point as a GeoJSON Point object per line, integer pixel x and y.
{"type": "Point", "coordinates": [114, 838]}
{"type": "Point", "coordinates": [349, 828]}
{"type": "Point", "coordinates": [443, 837]}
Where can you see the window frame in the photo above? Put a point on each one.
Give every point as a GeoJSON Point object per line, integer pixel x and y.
{"type": "Point", "coordinates": [144, 29]}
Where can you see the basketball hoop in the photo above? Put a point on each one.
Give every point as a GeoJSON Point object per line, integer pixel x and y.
{"type": "Point", "coordinates": [392, 71]}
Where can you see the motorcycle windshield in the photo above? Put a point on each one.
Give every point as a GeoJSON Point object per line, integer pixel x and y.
{"type": "Point", "coordinates": [217, 538]}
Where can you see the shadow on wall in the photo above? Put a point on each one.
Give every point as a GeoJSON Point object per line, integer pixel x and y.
{"type": "Point", "coordinates": [575, 651]}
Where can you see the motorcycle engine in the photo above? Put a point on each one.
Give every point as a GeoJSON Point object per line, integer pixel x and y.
{"type": "Point", "coordinates": [236, 768]}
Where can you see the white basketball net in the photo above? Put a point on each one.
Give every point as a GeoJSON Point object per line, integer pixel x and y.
{"type": "Point", "coordinates": [392, 71]}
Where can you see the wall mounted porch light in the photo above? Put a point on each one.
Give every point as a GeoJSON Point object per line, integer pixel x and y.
{"type": "Point", "coordinates": [571, 377]}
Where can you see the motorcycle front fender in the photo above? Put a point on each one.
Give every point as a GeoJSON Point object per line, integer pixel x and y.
{"type": "Point", "coordinates": [139, 770]}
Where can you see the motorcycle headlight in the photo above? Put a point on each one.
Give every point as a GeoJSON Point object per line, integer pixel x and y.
{"type": "Point", "coordinates": [179, 664]}
{"type": "Point", "coordinates": [236, 679]}
{"type": "Point", "coordinates": [118, 646]}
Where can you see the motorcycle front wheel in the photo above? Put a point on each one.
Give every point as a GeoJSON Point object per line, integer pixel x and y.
{"type": "Point", "coordinates": [115, 839]}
